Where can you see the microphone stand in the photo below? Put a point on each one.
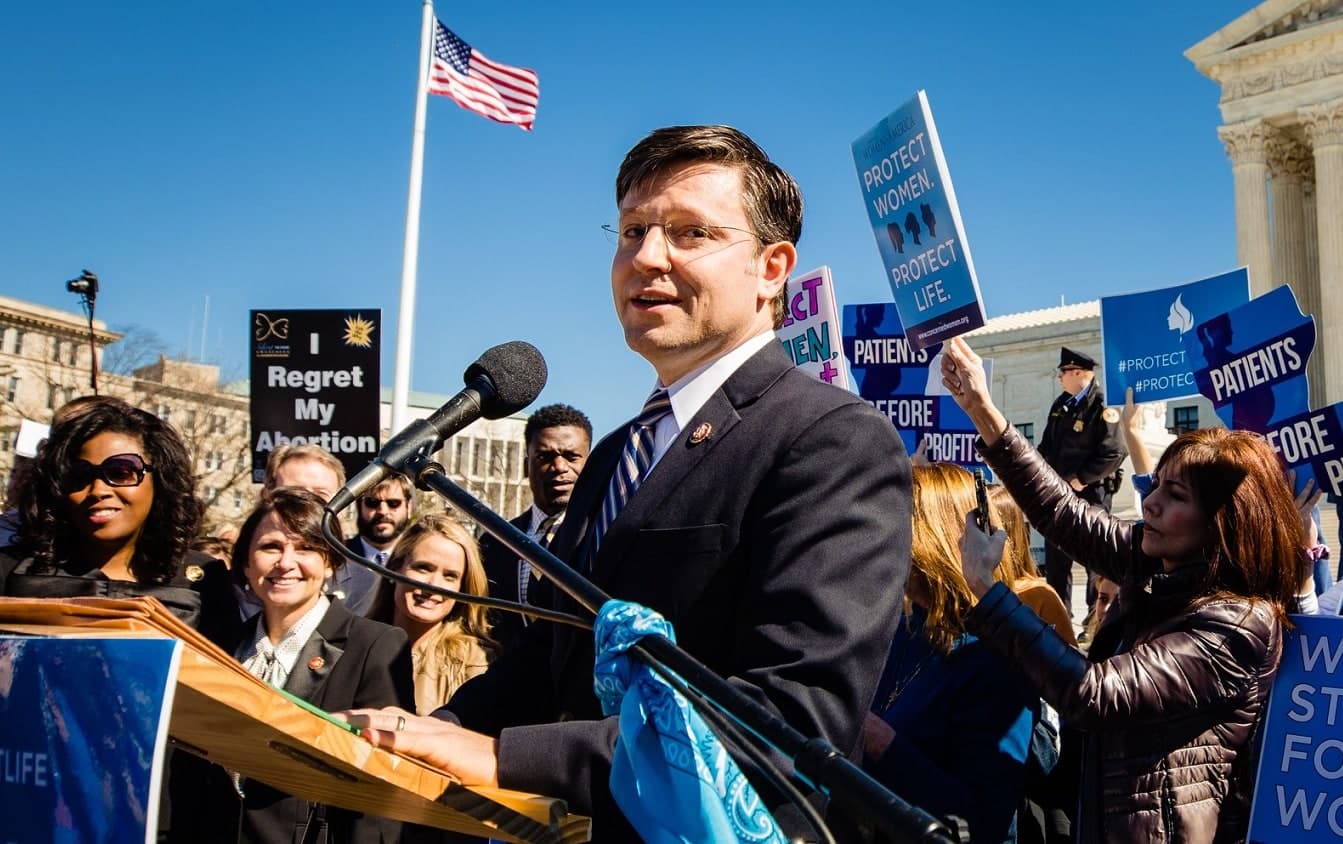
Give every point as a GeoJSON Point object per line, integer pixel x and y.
{"type": "Point", "coordinates": [814, 759]}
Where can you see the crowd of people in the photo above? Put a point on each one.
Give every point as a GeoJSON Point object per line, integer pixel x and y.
{"type": "Point", "coordinates": [884, 605]}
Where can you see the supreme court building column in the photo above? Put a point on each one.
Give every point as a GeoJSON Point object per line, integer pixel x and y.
{"type": "Point", "coordinates": [1323, 125]}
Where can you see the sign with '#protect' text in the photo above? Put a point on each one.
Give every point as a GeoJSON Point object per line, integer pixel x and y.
{"type": "Point", "coordinates": [1143, 334]}
{"type": "Point", "coordinates": [315, 380]}
{"type": "Point", "coordinates": [83, 730]}
{"type": "Point", "coordinates": [917, 223]}
{"type": "Point", "coordinates": [810, 333]}
{"type": "Point", "coordinates": [904, 384]}
{"type": "Point", "coordinates": [1297, 796]}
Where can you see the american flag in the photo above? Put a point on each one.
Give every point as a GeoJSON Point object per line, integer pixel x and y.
{"type": "Point", "coordinates": [497, 91]}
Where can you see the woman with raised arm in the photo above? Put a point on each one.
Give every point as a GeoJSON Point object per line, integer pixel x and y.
{"type": "Point", "coordinates": [1179, 673]}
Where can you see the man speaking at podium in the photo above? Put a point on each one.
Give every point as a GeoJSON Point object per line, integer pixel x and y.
{"type": "Point", "coordinates": [765, 514]}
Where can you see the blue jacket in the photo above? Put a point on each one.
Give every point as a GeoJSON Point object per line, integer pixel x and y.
{"type": "Point", "coordinates": [963, 724]}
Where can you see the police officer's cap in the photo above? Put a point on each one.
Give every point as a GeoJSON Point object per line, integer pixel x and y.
{"type": "Point", "coordinates": [1069, 358]}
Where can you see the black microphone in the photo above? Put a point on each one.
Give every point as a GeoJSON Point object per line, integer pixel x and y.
{"type": "Point", "coordinates": [503, 381]}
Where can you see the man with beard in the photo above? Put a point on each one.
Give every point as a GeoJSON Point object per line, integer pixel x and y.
{"type": "Point", "coordinates": [557, 439]}
{"type": "Point", "coordinates": [383, 514]}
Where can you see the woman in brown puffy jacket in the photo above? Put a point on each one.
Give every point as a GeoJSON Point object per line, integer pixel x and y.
{"type": "Point", "coordinates": [1179, 672]}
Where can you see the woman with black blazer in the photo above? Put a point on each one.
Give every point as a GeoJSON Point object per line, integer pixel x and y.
{"type": "Point", "coordinates": [314, 648]}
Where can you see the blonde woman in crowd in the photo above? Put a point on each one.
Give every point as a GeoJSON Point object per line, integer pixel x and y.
{"type": "Point", "coordinates": [450, 641]}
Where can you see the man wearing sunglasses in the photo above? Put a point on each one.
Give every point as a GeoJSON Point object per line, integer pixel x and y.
{"type": "Point", "coordinates": [383, 514]}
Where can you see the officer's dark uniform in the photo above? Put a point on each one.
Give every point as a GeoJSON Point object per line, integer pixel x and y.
{"type": "Point", "coordinates": [1082, 441]}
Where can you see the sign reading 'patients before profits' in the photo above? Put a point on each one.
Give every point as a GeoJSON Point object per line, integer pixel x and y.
{"type": "Point", "coordinates": [810, 333]}
{"type": "Point", "coordinates": [917, 223]}
{"type": "Point", "coordinates": [315, 380]}
{"type": "Point", "coordinates": [1297, 796]}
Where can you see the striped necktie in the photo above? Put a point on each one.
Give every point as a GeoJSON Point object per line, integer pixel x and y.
{"type": "Point", "coordinates": [545, 534]}
{"type": "Point", "coordinates": [635, 461]}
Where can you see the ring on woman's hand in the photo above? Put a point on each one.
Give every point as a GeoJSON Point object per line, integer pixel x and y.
{"type": "Point", "coordinates": [400, 723]}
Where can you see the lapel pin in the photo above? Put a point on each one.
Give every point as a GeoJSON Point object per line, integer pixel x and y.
{"type": "Point", "coordinates": [194, 573]}
{"type": "Point", "coordinates": [701, 433]}
{"type": "Point", "coordinates": [316, 663]}
{"type": "Point", "coordinates": [1078, 426]}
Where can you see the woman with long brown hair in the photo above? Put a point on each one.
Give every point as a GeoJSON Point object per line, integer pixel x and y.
{"type": "Point", "coordinates": [1179, 672]}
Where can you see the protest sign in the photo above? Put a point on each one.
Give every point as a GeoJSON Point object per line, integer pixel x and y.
{"type": "Point", "coordinates": [1296, 795]}
{"type": "Point", "coordinates": [316, 379]}
{"type": "Point", "coordinates": [917, 225]}
{"type": "Point", "coordinates": [904, 384]}
{"type": "Point", "coordinates": [83, 733]}
{"type": "Point", "coordinates": [811, 325]}
{"type": "Point", "coordinates": [1250, 361]}
{"type": "Point", "coordinates": [1142, 335]}
{"type": "Point", "coordinates": [1311, 444]}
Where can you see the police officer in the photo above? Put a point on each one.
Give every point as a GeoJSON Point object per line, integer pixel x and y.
{"type": "Point", "coordinates": [1083, 444]}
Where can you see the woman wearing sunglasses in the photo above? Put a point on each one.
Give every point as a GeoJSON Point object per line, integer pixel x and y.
{"type": "Point", "coordinates": [110, 511]}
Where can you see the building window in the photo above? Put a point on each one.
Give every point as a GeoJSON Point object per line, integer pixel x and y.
{"type": "Point", "coordinates": [459, 455]}
{"type": "Point", "coordinates": [211, 493]}
{"type": "Point", "coordinates": [478, 467]}
{"type": "Point", "coordinates": [12, 388]}
{"type": "Point", "coordinates": [216, 423]}
{"type": "Point", "coordinates": [7, 440]}
{"type": "Point", "coordinates": [163, 412]}
{"type": "Point", "coordinates": [213, 461]}
{"type": "Point", "coordinates": [191, 420]}
{"type": "Point", "coordinates": [241, 464]}
{"type": "Point", "coordinates": [56, 350]}
{"type": "Point", "coordinates": [55, 396]}
{"type": "Point", "coordinates": [514, 467]}
{"type": "Point", "coordinates": [70, 351]}
{"type": "Point", "coordinates": [1184, 419]}
{"type": "Point", "coordinates": [237, 501]}
{"type": "Point", "coordinates": [1027, 430]}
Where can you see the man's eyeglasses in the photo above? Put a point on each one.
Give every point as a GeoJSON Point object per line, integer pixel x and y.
{"type": "Point", "coordinates": [683, 237]}
{"type": "Point", "coordinates": [371, 503]}
{"type": "Point", "coordinates": [117, 470]}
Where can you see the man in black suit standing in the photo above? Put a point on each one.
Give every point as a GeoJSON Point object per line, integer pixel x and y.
{"type": "Point", "coordinates": [1082, 442]}
{"type": "Point", "coordinates": [765, 514]}
{"type": "Point", "coordinates": [557, 439]}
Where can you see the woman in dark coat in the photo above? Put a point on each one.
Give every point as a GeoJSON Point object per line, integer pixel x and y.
{"type": "Point", "coordinates": [110, 511]}
{"type": "Point", "coordinates": [1180, 670]}
{"type": "Point", "coordinates": [315, 649]}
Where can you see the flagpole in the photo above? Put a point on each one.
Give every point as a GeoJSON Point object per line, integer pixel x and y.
{"type": "Point", "coordinates": [405, 319]}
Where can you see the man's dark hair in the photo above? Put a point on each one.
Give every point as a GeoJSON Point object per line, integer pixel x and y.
{"type": "Point", "coordinates": [555, 416]}
{"type": "Point", "coordinates": [772, 200]}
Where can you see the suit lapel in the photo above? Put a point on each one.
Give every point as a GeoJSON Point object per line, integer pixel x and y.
{"type": "Point", "coordinates": [320, 654]}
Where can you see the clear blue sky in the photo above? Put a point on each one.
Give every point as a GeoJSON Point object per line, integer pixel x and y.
{"type": "Point", "coordinates": [257, 153]}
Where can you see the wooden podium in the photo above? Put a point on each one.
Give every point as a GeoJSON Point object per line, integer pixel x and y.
{"type": "Point", "coordinates": [224, 714]}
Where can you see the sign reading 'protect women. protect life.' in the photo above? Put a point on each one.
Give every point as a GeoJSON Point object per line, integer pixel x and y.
{"type": "Point", "coordinates": [917, 224]}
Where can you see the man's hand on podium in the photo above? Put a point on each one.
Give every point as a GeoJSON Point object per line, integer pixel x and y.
{"type": "Point", "coordinates": [471, 757]}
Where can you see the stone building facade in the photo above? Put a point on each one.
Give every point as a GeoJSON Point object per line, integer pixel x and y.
{"type": "Point", "coordinates": [1280, 68]}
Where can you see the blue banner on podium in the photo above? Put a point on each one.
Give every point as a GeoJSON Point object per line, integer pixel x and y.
{"type": "Point", "coordinates": [83, 728]}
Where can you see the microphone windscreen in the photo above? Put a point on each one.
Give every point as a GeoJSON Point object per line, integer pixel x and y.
{"type": "Point", "coordinates": [517, 371]}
